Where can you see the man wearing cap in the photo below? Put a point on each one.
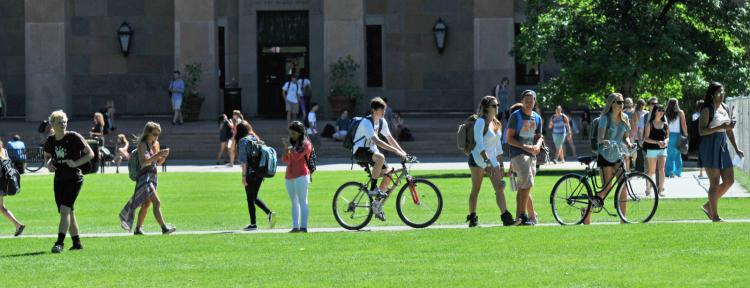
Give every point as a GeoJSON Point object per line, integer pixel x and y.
{"type": "Point", "coordinates": [525, 138]}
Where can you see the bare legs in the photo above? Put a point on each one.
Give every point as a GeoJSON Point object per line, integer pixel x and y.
{"type": "Point", "coordinates": [716, 190]}
{"type": "Point", "coordinates": [9, 214]}
{"type": "Point", "coordinates": [154, 199]}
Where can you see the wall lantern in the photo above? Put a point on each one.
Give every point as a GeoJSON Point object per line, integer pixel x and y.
{"type": "Point", "coordinates": [440, 30]}
{"type": "Point", "coordinates": [124, 34]}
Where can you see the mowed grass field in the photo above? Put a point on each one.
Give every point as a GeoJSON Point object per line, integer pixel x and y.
{"type": "Point", "coordinates": [684, 254]}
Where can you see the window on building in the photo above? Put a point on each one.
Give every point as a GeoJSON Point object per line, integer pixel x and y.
{"type": "Point", "coordinates": [526, 74]}
{"type": "Point", "coordinates": [374, 55]}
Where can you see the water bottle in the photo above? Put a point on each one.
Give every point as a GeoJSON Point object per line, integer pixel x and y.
{"type": "Point", "coordinates": [513, 181]}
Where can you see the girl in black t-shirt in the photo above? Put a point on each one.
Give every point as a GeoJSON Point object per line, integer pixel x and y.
{"type": "Point", "coordinates": [64, 153]}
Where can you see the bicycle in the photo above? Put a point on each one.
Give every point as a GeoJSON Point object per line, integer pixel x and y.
{"type": "Point", "coordinates": [572, 196]}
{"type": "Point", "coordinates": [34, 158]}
{"type": "Point", "coordinates": [418, 202]}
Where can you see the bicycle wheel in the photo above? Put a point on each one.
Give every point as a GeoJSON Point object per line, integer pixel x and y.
{"type": "Point", "coordinates": [419, 203]}
{"type": "Point", "coordinates": [570, 199]}
{"type": "Point", "coordinates": [34, 159]}
{"type": "Point", "coordinates": [636, 198]}
{"type": "Point", "coordinates": [351, 206]}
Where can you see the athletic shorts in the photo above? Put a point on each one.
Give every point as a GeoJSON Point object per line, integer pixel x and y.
{"type": "Point", "coordinates": [176, 102]}
{"type": "Point", "coordinates": [66, 192]}
{"type": "Point", "coordinates": [472, 163]}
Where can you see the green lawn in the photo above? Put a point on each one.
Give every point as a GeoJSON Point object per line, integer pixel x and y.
{"type": "Point", "coordinates": [694, 254]}
{"type": "Point", "coordinates": [211, 201]}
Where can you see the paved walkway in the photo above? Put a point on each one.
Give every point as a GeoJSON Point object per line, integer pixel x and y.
{"type": "Point", "coordinates": [339, 230]}
{"type": "Point", "coordinates": [687, 186]}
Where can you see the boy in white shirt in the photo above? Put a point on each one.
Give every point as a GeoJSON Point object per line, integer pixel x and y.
{"type": "Point", "coordinates": [291, 92]}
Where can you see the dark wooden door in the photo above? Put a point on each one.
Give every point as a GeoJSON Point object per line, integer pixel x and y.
{"type": "Point", "coordinates": [273, 77]}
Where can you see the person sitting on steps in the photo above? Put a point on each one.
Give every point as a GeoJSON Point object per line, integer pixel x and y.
{"type": "Point", "coordinates": [366, 143]}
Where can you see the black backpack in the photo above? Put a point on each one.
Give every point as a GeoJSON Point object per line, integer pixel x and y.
{"type": "Point", "coordinates": [10, 180]}
{"type": "Point", "coordinates": [349, 140]}
{"type": "Point", "coordinates": [312, 162]}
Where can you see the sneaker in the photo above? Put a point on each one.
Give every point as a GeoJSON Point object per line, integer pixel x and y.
{"type": "Point", "coordinates": [524, 219]}
{"type": "Point", "coordinates": [380, 215]}
{"type": "Point", "coordinates": [138, 231]}
{"type": "Point", "coordinates": [19, 231]}
{"type": "Point", "coordinates": [294, 230]}
{"type": "Point", "coordinates": [77, 246]}
{"type": "Point", "coordinates": [251, 227]}
{"type": "Point", "coordinates": [507, 219]}
{"type": "Point", "coordinates": [271, 220]}
{"type": "Point", "coordinates": [377, 193]}
{"type": "Point", "coordinates": [58, 248]}
{"type": "Point", "coordinates": [168, 230]}
{"type": "Point", "coordinates": [473, 221]}
{"type": "Point", "coordinates": [377, 209]}
{"type": "Point", "coordinates": [302, 230]}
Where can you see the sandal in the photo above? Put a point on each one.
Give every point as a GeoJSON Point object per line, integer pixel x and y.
{"type": "Point", "coordinates": [706, 211]}
{"type": "Point", "coordinates": [19, 231]}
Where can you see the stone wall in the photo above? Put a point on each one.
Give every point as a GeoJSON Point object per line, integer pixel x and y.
{"type": "Point", "coordinates": [415, 76]}
{"type": "Point", "coordinates": [137, 83]}
{"type": "Point", "coordinates": [12, 55]}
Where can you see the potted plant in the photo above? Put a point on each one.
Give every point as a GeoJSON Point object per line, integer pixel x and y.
{"type": "Point", "coordinates": [344, 92]}
{"type": "Point", "coordinates": [191, 108]}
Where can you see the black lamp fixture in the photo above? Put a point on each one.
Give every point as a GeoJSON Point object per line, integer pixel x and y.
{"type": "Point", "coordinates": [124, 34]}
{"type": "Point", "coordinates": [440, 30]}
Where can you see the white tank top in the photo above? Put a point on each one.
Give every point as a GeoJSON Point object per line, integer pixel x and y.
{"type": "Point", "coordinates": [674, 126]}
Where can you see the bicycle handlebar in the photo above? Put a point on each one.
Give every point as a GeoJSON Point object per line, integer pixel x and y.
{"type": "Point", "coordinates": [409, 159]}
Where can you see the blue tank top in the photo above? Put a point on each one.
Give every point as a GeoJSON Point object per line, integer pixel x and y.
{"type": "Point", "coordinates": [558, 125]}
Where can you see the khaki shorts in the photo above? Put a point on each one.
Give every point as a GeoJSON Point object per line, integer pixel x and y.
{"type": "Point", "coordinates": [525, 168]}
{"type": "Point", "coordinates": [292, 107]}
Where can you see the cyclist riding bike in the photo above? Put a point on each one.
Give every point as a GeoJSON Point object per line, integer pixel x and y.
{"type": "Point", "coordinates": [367, 141]}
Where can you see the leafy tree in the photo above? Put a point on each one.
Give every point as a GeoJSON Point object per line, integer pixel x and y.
{"type": "Point", "coordinates": [663, 48]}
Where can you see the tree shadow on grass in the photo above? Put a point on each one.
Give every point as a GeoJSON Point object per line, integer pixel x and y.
{"type": "Point", "coordinates": [467, 175]}
{"type": "Point", "coordinates": [24, 254]}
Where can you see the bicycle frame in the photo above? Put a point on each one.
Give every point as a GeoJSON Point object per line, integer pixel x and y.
{"type": "Point", "coordinates": [400, 175]}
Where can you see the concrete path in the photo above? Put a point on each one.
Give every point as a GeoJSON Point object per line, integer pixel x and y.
{"type": "Point", "coordinates": [339, 230]}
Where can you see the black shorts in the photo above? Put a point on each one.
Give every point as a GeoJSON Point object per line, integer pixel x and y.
{"type": "Point", "coordinates": [363, 154]}
{"type": "Point", "coordinates": [472, 163]}
{"type": "Point", "coordinates": [66, 192]}
{"type": "Point", "coordinates": [601, 162]}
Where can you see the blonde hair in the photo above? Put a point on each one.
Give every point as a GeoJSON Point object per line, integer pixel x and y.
{"type": "Point", "coordinates": [99, 119]}
{"type": "Point", "coordinates": [148, 129]}
{"type": "Point", "coordinates": [608, 108]}
{"type": "Point", "coordinates": [239, 114]}
{"type": "Point", "coordinates": [122, 139]}
{"type": "Point", "coordinates": [57, 116]}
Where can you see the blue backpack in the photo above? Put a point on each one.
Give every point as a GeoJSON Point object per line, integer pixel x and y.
{"type": "Point", "coordinates": [261, 159]}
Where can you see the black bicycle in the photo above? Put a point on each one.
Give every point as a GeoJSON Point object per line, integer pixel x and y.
{"type": "Point", "coordinates": [34, 158]}
{"type": "Point", "coordinates": [418, 202]}
{"type": "Point", "coordinates": [572, 197]}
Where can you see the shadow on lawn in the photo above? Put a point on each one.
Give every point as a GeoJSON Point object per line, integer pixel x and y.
{"type": "Point", "coordinates": [23, 255]}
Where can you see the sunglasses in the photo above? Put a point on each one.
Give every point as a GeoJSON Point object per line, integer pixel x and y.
{"type": "Point", "coordinates": [492, 105]}
{"type": "Point", "coordinates": [660, 110]}
{"type": "Point", "coordinates": [619, 102]}
{"type": "Point", "coordinates": [155, 134]}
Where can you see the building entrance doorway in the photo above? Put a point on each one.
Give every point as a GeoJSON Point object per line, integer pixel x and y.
{"type": "Point", "coordinates": [283, 45]}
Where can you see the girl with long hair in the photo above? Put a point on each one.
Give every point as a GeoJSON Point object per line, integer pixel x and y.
{"type": "Point", "coordinates": [716, 128]}
{"type": "Point", "coordinates": [19, 226]}
{"type": "Point", "coordinates": [250, 180]}
{"type": "Point", "coordinates": [677, 130]}
{"type": "Point", "coordinates": [149, 155]}
{"type": "Point", "coordinates": [122, 151]}
{"type": "Point", "coordinates": [656, 141]}
{"type": "Point", "coordinates": [487, 159]}
{"type": "Point", "coordinates": [296, 152]}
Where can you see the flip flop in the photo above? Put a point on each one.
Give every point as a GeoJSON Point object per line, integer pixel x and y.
{"type": "Point", "coordinates": [706, 211]}
{"type": "Point", "coordinates": [19, 231]}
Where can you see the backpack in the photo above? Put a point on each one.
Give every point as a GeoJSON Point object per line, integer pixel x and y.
{"type": "Point", "coordinates": [349, 141]}
{"type": "Point", "coordinates": [593, 134]}
{"type": "Point", "coordinates": [543, 156]}
{"type": "Point", "coordinates": [134, 165]}
{"type": "Point", "coordinates": [312, 162]}
{"type": "Point", "coordinates": [465, 134]}
{"type": "Point", "coordinates": [93, 165]}
{"type": "Point", "coordinates": [10, 179]}
{"type": "Point", "coordinates": [261, 159]}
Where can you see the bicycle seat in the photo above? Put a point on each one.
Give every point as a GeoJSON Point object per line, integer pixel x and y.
{"type": "Point", "coordinates": [586, 160]}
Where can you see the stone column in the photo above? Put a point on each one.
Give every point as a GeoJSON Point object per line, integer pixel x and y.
{"type": "Point", "coordinates": [47, 77]}
{"type": "Point", "coordinates": [493, 40]}
{"type": "Point", "coordinates": [343, 35]}
{"type": "Point", "coordinates": [248, 56]}
{"type": "Point", "coordinates": [195, 41]}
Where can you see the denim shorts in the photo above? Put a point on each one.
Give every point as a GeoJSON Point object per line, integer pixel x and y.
{"type": "Point", "coordinates": [653, 153]}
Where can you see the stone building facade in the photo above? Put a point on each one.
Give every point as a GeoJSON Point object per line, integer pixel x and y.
{"type": "Point", "coordinates": [64, 54]}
